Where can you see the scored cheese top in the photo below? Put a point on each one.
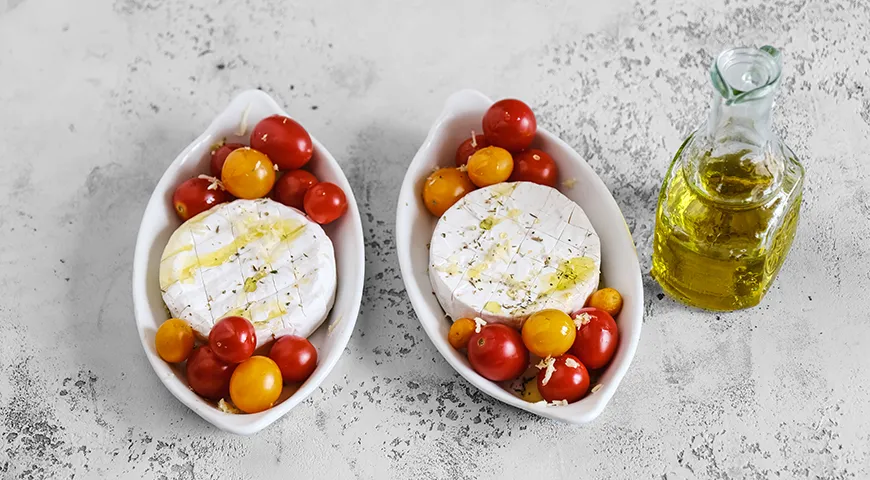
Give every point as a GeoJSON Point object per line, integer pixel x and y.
{"type": "Point", "coordinates": [256, 259]}
{"type": "Point", "coordinates": [509, 250]}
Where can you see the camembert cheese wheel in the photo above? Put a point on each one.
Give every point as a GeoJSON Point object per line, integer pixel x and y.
{"type": "Point", "coordinates": [509, 250]}
{"type": "Point", "coordinates": [257, 259]}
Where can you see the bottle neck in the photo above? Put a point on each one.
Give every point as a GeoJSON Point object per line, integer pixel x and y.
{"type": "Point", "coordinates": [744, 81]}
{"type": "Point", "coordinates": [732, 160]}
{"type": "Point", "coordinates": [747, 123]}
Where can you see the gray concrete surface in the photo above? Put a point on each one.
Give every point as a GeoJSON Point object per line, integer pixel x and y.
{"type": "Point", "coordinates": [97, 97]}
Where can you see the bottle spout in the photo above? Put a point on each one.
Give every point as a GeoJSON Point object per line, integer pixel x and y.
{"type": "Point", "coordinates": [773, 52]}
{"type": "Point", "coordinates": [745, 73]}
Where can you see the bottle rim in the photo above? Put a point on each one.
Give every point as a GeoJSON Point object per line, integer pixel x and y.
{"type": "Point", "coordinates": [745, 74]}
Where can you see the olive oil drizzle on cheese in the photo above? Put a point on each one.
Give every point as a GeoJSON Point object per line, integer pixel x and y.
{"type": "Point", "coordinates": [569, 273]}
{"type": "Point", "coordinates": [492, 307]}
{"type": "Point", "coordinates": [251, 282]}
{"type": "Point", "coordinates": [245, 312]}
{"type": "Point", "coordinates": [285, 230]}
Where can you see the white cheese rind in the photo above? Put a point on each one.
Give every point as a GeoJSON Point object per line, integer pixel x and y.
{"type": "Point", "coordinates": [509, 250]}
{"type": "Point", "coordinates": [257, 259]}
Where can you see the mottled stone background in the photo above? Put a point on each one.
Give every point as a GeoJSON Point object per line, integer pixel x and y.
{"type": "Point", "coordinates": [97, 98]}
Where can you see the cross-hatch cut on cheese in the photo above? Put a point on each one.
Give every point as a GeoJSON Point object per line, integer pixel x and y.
{"type": "Point", "coordinates": [509, 250]}
{"type": "Point", "coordinates": [257, 259]}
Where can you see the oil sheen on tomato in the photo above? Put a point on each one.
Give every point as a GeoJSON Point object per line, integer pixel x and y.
{"type": "Point", "coordinates": [717, 256]}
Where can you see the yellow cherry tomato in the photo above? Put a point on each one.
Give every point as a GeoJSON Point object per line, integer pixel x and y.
{"type": "Point", "coordinates": [256, 384]}
{"type": "Point", "coordinates": [248, 173]}
{"type": "Point", "coordinates": [606, 299]}
{"type": "Point", "coordinates": [460, 332]}
{"type": "Point", "coordinates": [531, 393]}
{"type": "Point", "coordinates": [174, 340]}
{"type": "Point", "coordinates": [489, 166]}
{"type": "Point", "coordinates": [549, 333]}
{"type": "Point", "coordinates": [444, 188]}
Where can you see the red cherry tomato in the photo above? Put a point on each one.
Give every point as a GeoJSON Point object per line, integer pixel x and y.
{"type": "Point", "coordinates": [325, 202]}
{"type": "Point", "coordinates": [468, 147]}
{"type": "Point", "coordinates": [497, 353]}
{"type": "Point", "coordinates": [569, 381]}
{"type": "Point", "coordinates": [284, 141]}
{"type": "Point", "coordinates": [194, 197]}
{"type": "Point", "coordinates": [535, 165]}
{"type": "Point", "coordinates": [290, 189]}
{"type": "Point", "coordinates": [233, 339]}
{"type": "Point", "coordinates": [510, 124]}
{"type": "Point", "coordinates": [597, 338]}
{"type": "Point", "coordinates": [295, 356]}
{"type": "Point", "coordinates": [219, 156]}
{"type": "Point", "coordinates": [208, 375]}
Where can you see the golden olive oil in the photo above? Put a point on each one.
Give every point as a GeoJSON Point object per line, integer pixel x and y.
{"type": "Point", "coordinates": [728, 209]}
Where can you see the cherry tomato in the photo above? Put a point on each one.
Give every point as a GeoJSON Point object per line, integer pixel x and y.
{"type": "Point", "coordinates": [569, 381]}
{"type": "Point", "coordinates": [549, 333]}
{"type": "Point", "coordinates": [597, 337]}
{"type": "Point", "coordinates": [291, 187]}
{"type": "Point", "coordinates": [460, 332]}
{"type": "Point", "coordinates": [510, 124]}
{"type": "Point", "coordinates": [256, 384]}
{"type": "Point", "coordinates": [497, 353]}
{"type": "Point", "coordinates": [606, 299]}
{"type": "Point", "coordinates": [535, 165]}
{"type": "Point", "coordinates": [233, 339]}
{"type": "Point", "coordinates": [468, 147]}
{"type": "Point", "coordinates": [174, 340]}
{"type": "Point", "coordinates": [219, 156]}
{"type": "Point", "coordinates": [444, 188]}
{"type": "Point", "coordinates": [325, 202]}
{"type": "Point", "coordinates": [194, 197]}
{"type": "Point", "coordinates": [295, 356]}
{"type": "Point", "coordinates": [208, 375]}
{"type": "Point", "coordinates": [283, 140]}
{"type": "Point", "coordinates": [248, 173]}
{"type": "Point", "coordinates": [489, 166]}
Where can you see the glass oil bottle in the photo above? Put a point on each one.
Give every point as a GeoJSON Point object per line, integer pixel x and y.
{"type": "Point", "coordinates": [728, 207]}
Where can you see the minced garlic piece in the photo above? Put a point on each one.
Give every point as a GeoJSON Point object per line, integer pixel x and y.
{"type": "Point", "coordinates": [243, 123]}
{"type": "Point", "coordinates": [473, 139]}
{"type": "Point", "coordinates": [215, 183]}
{"type": "Point", "coordinates": [582, 319]}
{"type": "Point", "coordinates": [570, 362]}
{"type": "Point", "coordinates": [550, 364]}
{"type": "Point", "coordinates": [569, 183]}
{"type": "Point", "coordinates": [333, 325]}
{"type": "Point", "coordinates": [559, 403]}
{"type": "Point", "coordinates": [596, 388]}
{"type": "Point", "coordinates": [228, 407]}
{"type": "Point", "coordinates": [478, 323]}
